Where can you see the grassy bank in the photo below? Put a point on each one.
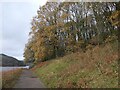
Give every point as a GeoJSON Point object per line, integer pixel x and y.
{"type": "Point", "coordinates": [96, 68]}
{"type": "Point", "coordinates": [9, 78]}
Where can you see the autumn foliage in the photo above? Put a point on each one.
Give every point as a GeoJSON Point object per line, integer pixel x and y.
{"type": "Point", "coordinates": [62, 28]}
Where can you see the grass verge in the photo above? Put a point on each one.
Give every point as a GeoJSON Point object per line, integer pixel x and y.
{"type": "Point", "coordinates": [9, 78]}
{"type": "Point", "coordinates": [96, 68]}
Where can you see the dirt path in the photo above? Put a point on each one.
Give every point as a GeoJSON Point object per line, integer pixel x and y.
{"type": "Point", "coordinates": [28, 80]}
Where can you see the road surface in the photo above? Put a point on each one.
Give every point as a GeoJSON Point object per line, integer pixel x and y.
{"type": "Point", "coordinates": [28, 80]}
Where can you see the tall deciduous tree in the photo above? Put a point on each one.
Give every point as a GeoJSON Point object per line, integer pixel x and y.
{"type": "Point", "coordinates": [66, 27]}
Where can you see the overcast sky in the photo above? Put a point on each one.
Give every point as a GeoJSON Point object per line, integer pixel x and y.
{"type": "Point", "coordinates": [15, 26]}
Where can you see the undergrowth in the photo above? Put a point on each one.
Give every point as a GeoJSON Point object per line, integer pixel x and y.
{"type": "Point", "coordinates": [96, 68]}
{"type": "Point", "coordinates": [9, 78]}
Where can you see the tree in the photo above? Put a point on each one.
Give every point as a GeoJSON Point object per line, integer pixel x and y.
{"type": "Point", "coordinates": [65, 27]}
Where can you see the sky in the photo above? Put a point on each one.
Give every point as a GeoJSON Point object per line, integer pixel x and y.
{"type": "Point", "coordinates": [15, 19]}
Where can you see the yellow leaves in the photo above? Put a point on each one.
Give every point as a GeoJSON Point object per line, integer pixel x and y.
{"type": "Point", "coordinates": [40, 16]}
{"type": "Point", "coordinates": [57, 26]}
{"type": "Point", "coordinates": [60, 24]}
{"type": "Point", "coordinates": [80, 42]}
{"type": "Point", "coordinates": [49, 31]}
{"type": "Point", "coordinates": [51, 27]}
{"type": "Point", "coordinates": [42, 23]}
{"type": "Point", "coordinates": [115, 14]}
{"type": "Point", "coordinates": [39, 54]}
{"type": "Point", "coordinates": [33, 28]}
{"type": "Point", "coordinates": [114, 18]}
{"type": "Point", "coordinates": [65, 15]}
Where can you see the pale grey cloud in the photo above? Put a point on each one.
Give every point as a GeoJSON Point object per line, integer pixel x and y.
{"type": "Point", "coordinates": [16, 18]}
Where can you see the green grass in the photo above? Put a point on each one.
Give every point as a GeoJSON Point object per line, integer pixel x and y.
{"type": "Point", "coordinates": [97, 68]}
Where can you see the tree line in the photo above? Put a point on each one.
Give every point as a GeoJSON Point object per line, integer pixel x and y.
{"type": "Point", "coordinates": [61, 28]}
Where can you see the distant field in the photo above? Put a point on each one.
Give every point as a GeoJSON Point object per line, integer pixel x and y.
{"type": "Point", "coordinates": [96, 68]}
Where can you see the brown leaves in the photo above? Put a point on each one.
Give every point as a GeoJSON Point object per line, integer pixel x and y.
{"type": "Point", "coordinates": [9, 77]}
